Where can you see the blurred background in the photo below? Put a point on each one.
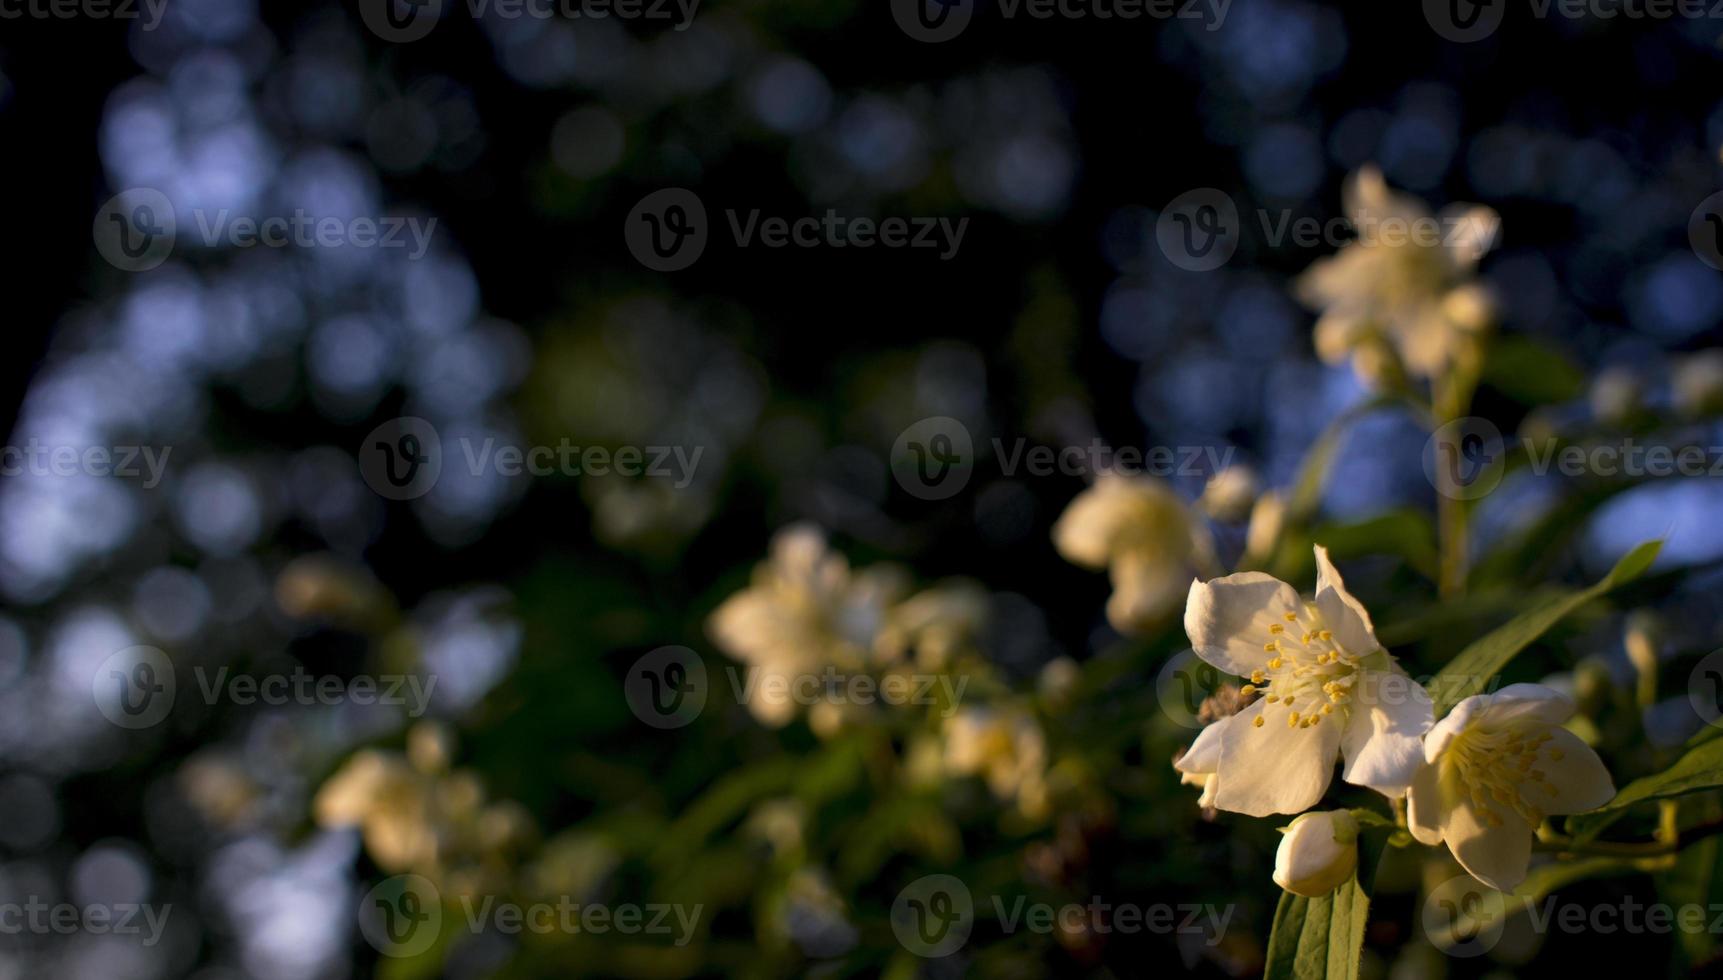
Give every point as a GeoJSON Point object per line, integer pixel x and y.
{"type": "Point", "coordinates": [520, 146]}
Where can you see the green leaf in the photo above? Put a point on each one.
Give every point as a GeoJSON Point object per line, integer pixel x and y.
{"type": "Point", "coordinates": [1316, 938]}
{"type": "Point", "coordinates": [1540, 882]}
{"type": "Point", "coordinates": [1700, 768]}
{"type": "Point", "coordinates": [1532, 373]}
{"type": "Point", "coordinates": [1479, 663]}
{"type": "Point", "coordinates": [1306, 492]}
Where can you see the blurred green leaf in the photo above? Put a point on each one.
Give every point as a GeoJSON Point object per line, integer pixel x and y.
{"type": "Point", "coordinates": [1476, 665]}
{"type": "Point", "coordinates": [1700, 768]}
{"type": "Point", "coordinates": [1532, 373]}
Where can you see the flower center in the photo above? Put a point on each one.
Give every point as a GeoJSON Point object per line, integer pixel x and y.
{"type": "Point", "coordinates": [1495, 768]}
{"type": "Point", "coordinates": [1310, 674]}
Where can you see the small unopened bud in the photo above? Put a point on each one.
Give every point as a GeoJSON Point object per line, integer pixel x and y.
{"type": "Point", "coordinates": [1318, 853]}
{"type": "Point", "coordinates": [1267, 519]}
{"type": "Point", "coordinates": [1616, 396]}
{"type": "Point", "coordinates": [1697, 384]}
{"type": "Point", "coordinates": [1469, 307]}
{"type": "Point", "coordinates": [1642, 635]}
{"type": "Point", "coordinates": [1230, 494]}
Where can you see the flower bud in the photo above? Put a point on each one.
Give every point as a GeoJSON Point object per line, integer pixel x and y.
{"type": "Point", "coordinates": [1697, 382]}
{"type": "Point", "coordinates": [1317, 854]}
{"type": "Point", "coordinates": [1231, 493]}
{"type": "Point", "coordinates": [1616, 396]}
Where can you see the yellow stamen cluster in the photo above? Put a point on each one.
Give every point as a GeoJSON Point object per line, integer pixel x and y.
{"type": "Point", "coordinates": [1311, 668]}
{"type": "Point", "coordinates": [1495, 767]}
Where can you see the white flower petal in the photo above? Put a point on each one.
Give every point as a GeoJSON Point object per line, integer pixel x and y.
{"type": "Point", "coordinates": [1204, 754]}
{"type": "Point", "coordinates": [1228, 618]}
{"type": "Point", "coordinates": [1273, 768]}
{"type": "Point", "coordinates": [1345, 615]}
{"type": "Point", "coordinates": [1581, 781]}
{"type": "Point", "coordinates": [1452, 723]}
{"type": "Point", "coordinates": [1526, 704]}
{"type": "Point", "coordinates": [1145, 590]}
{"type": "Point", "coordinates": [1496, 856]}
{"type": "Point", "coordinates": [1425, 808]}
{"type": "Point", "coordinates": [1382, 743]}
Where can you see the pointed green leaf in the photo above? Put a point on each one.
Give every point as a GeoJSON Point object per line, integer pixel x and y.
{"type": "Point", "coordinates": [1700, 768]}
{"type": "Point", "coordinates": [1471, 671]}
{"type": "Point", "coordinates": [1316, 938]}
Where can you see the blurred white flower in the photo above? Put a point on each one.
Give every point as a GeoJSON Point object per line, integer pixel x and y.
{"type": "Point", "coordinates": [804, 611]}
{"type": "Point", "coordinates": [1494, 767]}
{"type": "Point", "coordinates": [1697, 384]}
{"type": "Point", "coordinates": [1006, 748]}
{"type": "Point", "coordinates": [1145, 535]}
{"type": "Point", "coordinates": [1231, 493]}
{"type": "Point", "coordinates": [1403, 284]}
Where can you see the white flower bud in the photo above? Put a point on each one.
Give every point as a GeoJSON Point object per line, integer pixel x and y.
{"type": "Point", "coordinates": [1317, 854]}
{"type": "Point", "coordinates": [1697, 381]}
{"type": "Point", "coordinates": [1231, 493]}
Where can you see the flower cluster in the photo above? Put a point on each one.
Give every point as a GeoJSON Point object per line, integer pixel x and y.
{"type": "Point", "coordinates": [807, 611]}
{"type": "Point", "coordinates": [1401, 295]}
{"type": "Point", "coordinates": [1481, 780]}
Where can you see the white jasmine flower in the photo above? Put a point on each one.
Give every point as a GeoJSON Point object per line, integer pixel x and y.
{"type": "Point", "coordinates": [1005, 747]}
{"type": "Point", "coordinates": [1403, 283]}
{"type": "Point", "coordinates": [1495, 766]}
{"type": "Point", "coordinates": [804, 611]}
{"type": "Point", "coordinates": [1318, 853]}
{"type": "Point", "coordinates": [1144, 534]}
{"type": "Point", "coordinates": [1331, 691]}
